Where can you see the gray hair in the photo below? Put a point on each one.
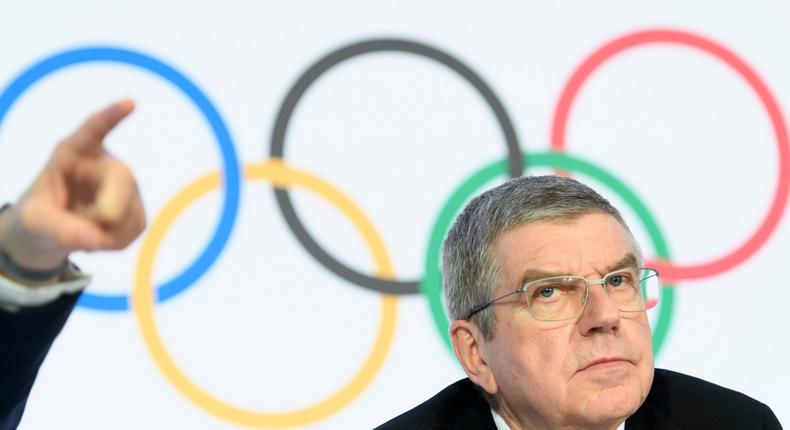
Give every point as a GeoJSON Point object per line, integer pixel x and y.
{"type": "Point", "coordinates": [470, 273]}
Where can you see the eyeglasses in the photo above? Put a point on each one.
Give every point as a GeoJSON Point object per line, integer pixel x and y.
{"type": "Point", "coordinates": [563, 297]}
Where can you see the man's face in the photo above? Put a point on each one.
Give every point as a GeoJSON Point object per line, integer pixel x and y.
{"type": "Point", "coordinates": [594, 369]}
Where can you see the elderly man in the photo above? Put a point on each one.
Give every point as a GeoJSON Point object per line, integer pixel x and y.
{"type": "Point", "coordinates": [543, 280]}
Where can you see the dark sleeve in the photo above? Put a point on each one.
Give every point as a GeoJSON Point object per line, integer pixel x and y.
{"type": "Point", "coordinates": [25, 338]}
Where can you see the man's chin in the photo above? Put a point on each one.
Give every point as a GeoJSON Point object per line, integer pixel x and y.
{"type": "Point", "coordinates": [621, 405]}
{"type": "Point", "coordinates": [608, 402]}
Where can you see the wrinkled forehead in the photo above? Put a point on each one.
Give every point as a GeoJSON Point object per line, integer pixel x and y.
{"type": "Point", "coordinates": [554, 245]}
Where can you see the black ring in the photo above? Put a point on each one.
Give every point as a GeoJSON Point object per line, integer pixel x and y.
{"type": "Point", "coordinates": [387, 286]}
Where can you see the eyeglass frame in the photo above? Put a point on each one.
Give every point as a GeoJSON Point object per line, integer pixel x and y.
{"type": "Point", "coordinates": [587, 283]}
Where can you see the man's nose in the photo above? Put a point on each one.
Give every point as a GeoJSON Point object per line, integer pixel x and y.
{"type": "Point", "coordinates": [600, 312]}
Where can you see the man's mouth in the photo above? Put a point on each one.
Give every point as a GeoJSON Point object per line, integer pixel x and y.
{"type": "Point", "coordinates": [605, 363]}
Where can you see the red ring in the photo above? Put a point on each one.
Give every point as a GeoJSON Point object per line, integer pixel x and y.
{"type": "Point", "coordinates": [670, 271]}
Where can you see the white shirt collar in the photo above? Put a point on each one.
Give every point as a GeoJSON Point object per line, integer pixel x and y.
{"type": "Point", "coordinates": [500, 423]}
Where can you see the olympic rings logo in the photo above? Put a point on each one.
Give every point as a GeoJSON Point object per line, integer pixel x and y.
{"type": "Point", "coordinates": [285, 177]}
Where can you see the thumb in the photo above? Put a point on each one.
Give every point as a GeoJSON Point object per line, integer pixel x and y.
{"type": "Point", "coordinates": [117, 188]}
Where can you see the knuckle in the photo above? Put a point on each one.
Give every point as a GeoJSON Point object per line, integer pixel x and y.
{"type": "Point", "coordinates": [122, 170]}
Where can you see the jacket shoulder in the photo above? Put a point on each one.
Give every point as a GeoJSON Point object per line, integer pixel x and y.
{"type": "Point", "coordinates": [691, 402]}
{"type": "Point", "coordinates": [459, 406]}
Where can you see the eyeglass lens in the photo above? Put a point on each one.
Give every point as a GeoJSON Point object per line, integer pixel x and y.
{"type": "Point", "coordinates": [563, 297]}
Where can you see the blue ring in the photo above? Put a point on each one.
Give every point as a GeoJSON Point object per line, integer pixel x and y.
{"type": "Point", "coordinates": [231, 175]}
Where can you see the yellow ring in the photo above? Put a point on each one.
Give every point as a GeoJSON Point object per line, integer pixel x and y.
{"type": "Point", "coordinates": [142, 298]}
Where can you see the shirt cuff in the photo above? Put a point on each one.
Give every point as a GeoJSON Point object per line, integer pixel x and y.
{"type": "Point", "coordinates": [15, 295]}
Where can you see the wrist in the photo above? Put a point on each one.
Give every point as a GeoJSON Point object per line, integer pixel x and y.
{"type": "Point", "coordinates": [31, 277]}
{"type": "Point", "coordinates": [19, 258]}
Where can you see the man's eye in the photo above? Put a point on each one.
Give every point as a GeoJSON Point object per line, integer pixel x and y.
{"type": "Point", "coordinates": [619, 280]}
{"type": "Point", "coordinates": [546, 292]}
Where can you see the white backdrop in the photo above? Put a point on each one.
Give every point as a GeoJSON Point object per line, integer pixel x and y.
{"type": "Point", "coordinates": [267, 327]}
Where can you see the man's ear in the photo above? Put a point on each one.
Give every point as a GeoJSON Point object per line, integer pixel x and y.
{"type": "Point", "coordinates": [469, 347]}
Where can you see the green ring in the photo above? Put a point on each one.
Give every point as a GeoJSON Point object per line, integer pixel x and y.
{"type": "Point", "coordinates": [431, 285]}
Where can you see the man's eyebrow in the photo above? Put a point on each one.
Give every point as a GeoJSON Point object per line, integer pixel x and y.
{"type": "Point", "coordinates": [534, 274]}
{"type": "Point", "coordinates": [628, 261]}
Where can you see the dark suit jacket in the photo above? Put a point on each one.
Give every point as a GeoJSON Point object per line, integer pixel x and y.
{"type": "Point", "coordinates": [675, 402]}
{"type": "Point", "coordinates": [25, 338]}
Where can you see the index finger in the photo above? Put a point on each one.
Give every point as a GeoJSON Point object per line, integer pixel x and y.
{"type": "Point", "coordinates": [89, 136]}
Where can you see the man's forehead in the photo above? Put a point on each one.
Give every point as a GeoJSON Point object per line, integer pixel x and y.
{"type": "Point", "coordinates": [593, 242]}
